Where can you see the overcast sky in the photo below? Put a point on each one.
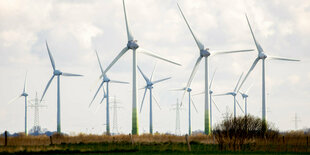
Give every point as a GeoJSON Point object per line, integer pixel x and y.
{"type": "Point", "coordinates": [74, 29]}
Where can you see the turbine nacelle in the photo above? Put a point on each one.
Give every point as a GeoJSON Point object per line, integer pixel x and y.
{"type": "Point", "coordinates": [262, 55]}
{"type": "Point", "coordinates": [57, 72]}
{"type": "Point", "coordinates": [149, 86]}
{"type": "Point", "coordinates": [244, 95]}
{"type": "Point", "coordinates": [233, 93]}
{"type": "Point", "coordinates": [132, 44]}
{"type": "Point", "coordinates": [106, 79]}
{"type": "Point", "coordinates": [205, 52]}
{"type": "Point", "coordinates": [24, 94]}
{"type": "Point", "coordinates": [189, 90]}
{"type": "Point", "coordinates": [210, 92]}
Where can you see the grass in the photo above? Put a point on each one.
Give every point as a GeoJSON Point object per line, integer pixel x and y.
{"type": "Point", "coordinates": [294, 143]}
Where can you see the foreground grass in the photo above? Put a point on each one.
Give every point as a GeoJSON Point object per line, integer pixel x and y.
{"type": "Point", "coordinates": [146, 144]}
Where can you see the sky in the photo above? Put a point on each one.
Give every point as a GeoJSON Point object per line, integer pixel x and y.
{"type": "Point", "coordinates": [74, 29]}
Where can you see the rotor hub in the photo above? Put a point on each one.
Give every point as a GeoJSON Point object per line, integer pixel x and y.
{"type": "Point", "coordinates": [205, 52]}
{"type": "Point", "coordinates": [233, 94]}
{"type": "Point", "coordinates": [189, 90]}
{"type": "Point", "coordinates": [262, 55]}
{"type": "Point", "coordinates": [210, 92]}
{"type": "Point", "coordinates": [132, 44]}
{"type": "Point", "coordinates": [149, 86]}
{"type": "Point", "coordinates": [57, 72]}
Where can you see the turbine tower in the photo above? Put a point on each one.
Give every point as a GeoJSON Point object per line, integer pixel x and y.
{"type": "Point", "coordinates": [211, 101]}
{"type": "Point", "coordinates": [36, 104]}
{"type": "Point", "coordinates": [190, 100]}
{"type": "Point", "coordinates": [234, 93]}
{"type": "Point", "coordinates": [57, 73]}
{"type": "Point", "coordinates": [203, 53]}
{"type": "Point", "coordinates": [149, 86]}
{"type": "Point", "coordinates": [245, 98]}
{"type": "Point", "coordinates": [261, 56]}
{"type": "Point", "coordinates": [106, 80]}
{"type": "Point", "coordinates": [133, 45]}
{"type": "Point", "coordinates": [24, 94]}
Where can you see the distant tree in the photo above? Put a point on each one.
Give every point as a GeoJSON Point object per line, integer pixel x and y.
{"type": "Point", "coordinates": [235, 132]}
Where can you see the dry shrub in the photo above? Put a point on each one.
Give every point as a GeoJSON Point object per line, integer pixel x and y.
{"type": "Point", "coordinates": [235, 132]}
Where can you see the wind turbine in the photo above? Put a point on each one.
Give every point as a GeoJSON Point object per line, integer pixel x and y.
{"type": "Point", "coordinates": [106, 80]}
{"type": "Point", "coordinates": [211, 100]}
{"type": "Point", "coordinates": [245, 98]}
{"type": "Point", "coordinates": [57, 73]}
{"type": "Point", "coordinates": [24, 94]}
{"type": "Point", "coordinates": [204, 53]}
{"type": "Point", "coordinates": [149, 86]}
{"type": "Point", "coordinates": [190, 100]}
{"type": "Point", "coordinates": [234, 93]}
{"type": "Point", "coordinates": [133, 45]}
{"type": "Point", "coordinates": [261, 56]}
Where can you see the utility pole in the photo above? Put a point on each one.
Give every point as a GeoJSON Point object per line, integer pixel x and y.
{"type": "Point", "coordinates": [36, 104]}
{"type": "Point", "coordinates": [296, 120]}
{"type": "Point", "coordinates": [115, 122]}
{"type": "Point", "coordinates": [177, 118]}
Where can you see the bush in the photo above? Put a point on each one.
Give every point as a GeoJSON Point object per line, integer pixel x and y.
{"type": "Point", "coordinates": [235, 132]}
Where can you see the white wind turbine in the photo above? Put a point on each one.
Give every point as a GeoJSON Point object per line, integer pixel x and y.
{"type": "Point", "coordinates": [204, 53]}
{"type": "Point", "coordinates": [190, 100]}
{"type": "Point", "coordinates": [57, 73]}
{"type": "Point", "coordinates": [106, 80]}
{"type": "Point", "coordinates": [245, 98]}
{"type": "Point", "coordinates": [24, 94]}
{"type": "Point", "coordinates": [234, 93]}
{"type": "Point", "coordinates": [261, 56]}
{"type": "Point", "coordinates": [211, 100]}
{"type": "Point", "coordinates": [132, 45]}
{"type": "Point", "coordinates": [149, 86]}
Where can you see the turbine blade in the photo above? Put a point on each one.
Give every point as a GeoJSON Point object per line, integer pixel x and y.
{"type": "Point", "coordinates": [250, 70]}
{"type": "Point", "coordinates": [98, 107]}
{"type": "Point", "coordinates": [239, 106]}
{"type": "Point", "coordinates": [198, 93]}
{"type": "Point", "coordinates": [281, 58]}
{"type": "Point", "coordinates": [156, 101]}
{"type": "Point", "coordinates": [25, 82]}
{"type": "Point", "coordinates": [161, 80]}
{"type": "Point", "coordinates": [144, 76]}
{"type": "Point", "coordinates": [151, 78]}
{"type": "Point", "coordinates": [143, 99]}
{"type": "Point", "coordinates": [129, 35]}
{"type": "Point", "coordinates": [238, 82]}
{"type": "Point", "coordinates": [48, 84]}
{"type": "Point", "coordinates": [216, 105]}
{"type": "Point", "coordinates": [114, 81]}
{"type": "Point", "coordinates": [194, 105]}
{"type": "Point", "coordinates": [212, 79]}
{"type": "Point", "coordinates": [149, 53]}
{"type": "Point", "coordinates": [193, 72]}
{"type": "Point", "coordinates": [199, 44]}
{"type": "Point", "coordinates": [259, 48]}
{"type": "Point", "coordinates": [50, 55]}
{"type": "Point", "coordinates": [70, 74]}
{"type": "Point", "coordinates": [96, 94]}
{"type": "Point", "coordinates": [115, 60]}
{"type": "Point", "coordinates": [229, 52]}
{"type": "Point", "coordinates": [99, 62]}
{"type": "Point", "coordinates": [191, 77]}
{"type": "Point", "coordinates": [14, 99]}
{"type": "Point", "coordinates": [222, 94]}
